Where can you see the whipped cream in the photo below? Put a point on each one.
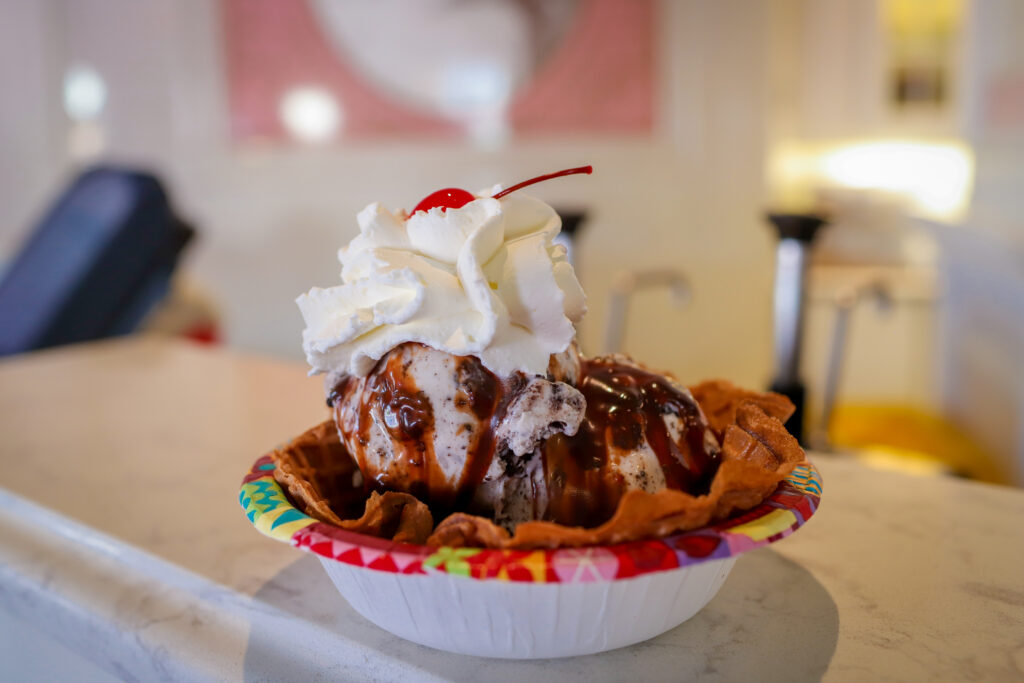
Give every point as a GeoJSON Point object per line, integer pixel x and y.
{"type": "Point", "coordinates": [483, 280]}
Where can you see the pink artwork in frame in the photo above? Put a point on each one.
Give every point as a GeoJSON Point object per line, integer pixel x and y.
{"type": "Point", "coordinates": [599, 78]}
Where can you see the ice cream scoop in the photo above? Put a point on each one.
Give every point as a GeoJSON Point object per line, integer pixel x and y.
{"type": "Point", "coordinates": [641, 431]}
{"type": "Point", "coordinates": [449, 431]}
{"type": "Point", "coordinates": [564, 447]}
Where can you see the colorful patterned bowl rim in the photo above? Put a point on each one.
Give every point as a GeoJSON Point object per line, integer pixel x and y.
{"type": "Point", "coordinates": [787, 509]}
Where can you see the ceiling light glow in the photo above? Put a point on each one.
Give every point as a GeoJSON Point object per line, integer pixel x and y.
{"type": "Point", "coordinates": [85, 93]}
{"type": "Point", "coordinates": [311, 114]}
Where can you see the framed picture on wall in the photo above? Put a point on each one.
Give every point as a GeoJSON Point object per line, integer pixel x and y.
{"type": "Point", "coordinates": [317, 70]}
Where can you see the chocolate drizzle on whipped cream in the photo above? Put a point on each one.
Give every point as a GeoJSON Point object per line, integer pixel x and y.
{"type": "Point", "coordinates": [639, 430]}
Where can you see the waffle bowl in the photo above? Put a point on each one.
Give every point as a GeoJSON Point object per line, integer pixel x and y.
{"type": "Point", "coordinates": [577, 594]}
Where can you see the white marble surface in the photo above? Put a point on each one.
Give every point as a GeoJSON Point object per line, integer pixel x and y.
{"type": "Point", "coordinates": [121, 541]}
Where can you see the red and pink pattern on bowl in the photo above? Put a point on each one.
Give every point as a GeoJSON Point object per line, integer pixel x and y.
{"type": "Point", "coordinates": [787, 509]}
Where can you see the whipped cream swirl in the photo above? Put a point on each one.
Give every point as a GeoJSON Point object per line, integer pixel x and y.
{"type": "Point", "coordinates": [482, 280]}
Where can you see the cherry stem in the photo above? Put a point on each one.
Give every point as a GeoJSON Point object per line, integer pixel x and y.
{"type": "Point", "coordinates": [569, 171]}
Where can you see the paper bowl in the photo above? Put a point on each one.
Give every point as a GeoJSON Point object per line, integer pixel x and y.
{"type": "Point", "coordinates": [536, 603]}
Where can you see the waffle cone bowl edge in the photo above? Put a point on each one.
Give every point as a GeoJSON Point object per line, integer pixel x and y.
{"type": "Point", "coordinates": [315, 479]}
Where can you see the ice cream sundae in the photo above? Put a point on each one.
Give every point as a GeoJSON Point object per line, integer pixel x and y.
{"type": "Point", "coordinates": [459, 396]}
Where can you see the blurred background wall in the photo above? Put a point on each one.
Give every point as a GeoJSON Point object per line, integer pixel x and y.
{"type": "Point", "coordinates": [272, 218]}
{"type": "Point", "coordinates": [905, 119]}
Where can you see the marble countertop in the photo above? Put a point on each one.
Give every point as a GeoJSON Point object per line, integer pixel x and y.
{"type": "Point", "coordinates": [122, 544]}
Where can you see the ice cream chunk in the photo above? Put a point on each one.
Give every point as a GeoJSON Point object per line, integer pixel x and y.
{"type": "Point", "coordinates": [448, 430]}
{"type": "Point", "coordinates": [641, 431]}
{"type": "Point", "coordinates": [460, 438]}
{"type": "Point", "coordinates": [484, 280]}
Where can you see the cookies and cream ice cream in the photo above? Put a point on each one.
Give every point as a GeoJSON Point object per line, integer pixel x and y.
{"type": "Point", "coordinates": [454, 434]}
{"type": "Point", "coordinates": [453, 375]}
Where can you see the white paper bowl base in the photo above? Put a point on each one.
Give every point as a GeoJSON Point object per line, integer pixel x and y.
{"type": "Point", "coordinates": [531, 603]}
{"type": "Point", "coordinates": [521, 620]}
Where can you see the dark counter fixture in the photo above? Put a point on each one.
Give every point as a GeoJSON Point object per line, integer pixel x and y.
{"type": "Point", "coordinates": [97, 263]}
{"type": "Point", "coordinates": [796, 233]}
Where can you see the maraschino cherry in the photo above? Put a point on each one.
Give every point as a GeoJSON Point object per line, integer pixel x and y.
{"type": "Point", "coordinates": [448, 198]}
{"type": "Point", "coordinates": [454, 198]}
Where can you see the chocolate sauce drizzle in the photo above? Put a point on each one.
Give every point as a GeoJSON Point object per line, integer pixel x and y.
{"type": "Point", "coordinates": [625, 406]}
{"type": "Point", "coordinates": [482, 395]}
{"type": "Point", "coordinates": [392, 400]}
